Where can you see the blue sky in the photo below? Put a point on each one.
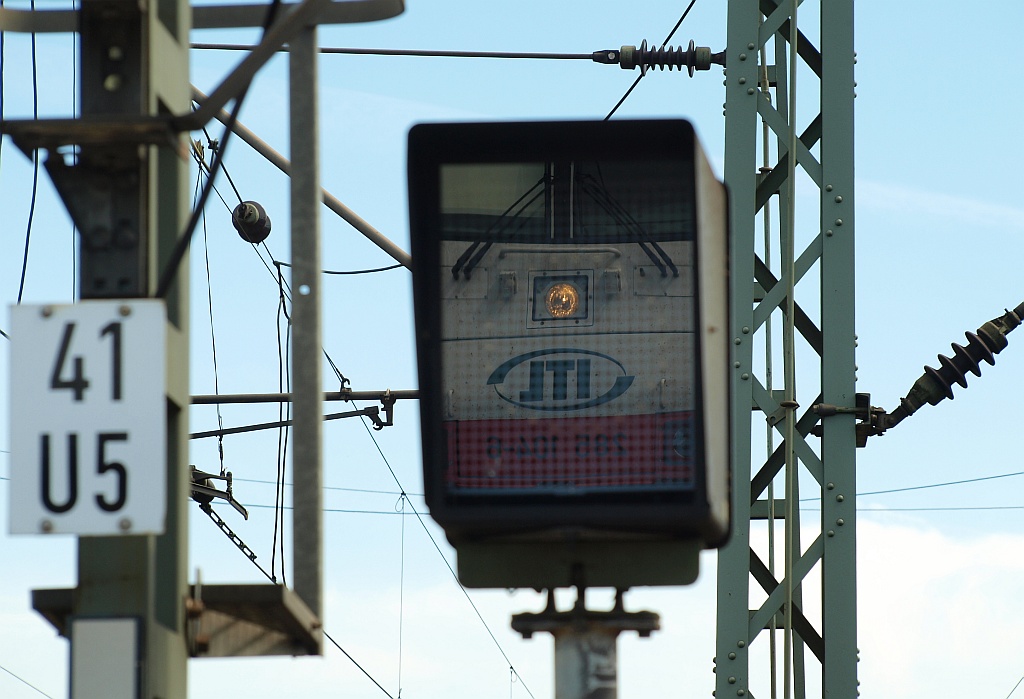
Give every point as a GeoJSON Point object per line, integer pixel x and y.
{"type": "Point", "coordinates": [939, 223]}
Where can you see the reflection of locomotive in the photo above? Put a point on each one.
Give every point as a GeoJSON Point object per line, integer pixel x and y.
{"type": "Point", "coordinates": [567, 335]}
{"type": "Point", "coordinates": [571, 306]}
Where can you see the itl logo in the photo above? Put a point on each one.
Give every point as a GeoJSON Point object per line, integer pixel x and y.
{"type": "Point", "coordinates": [547, 375]}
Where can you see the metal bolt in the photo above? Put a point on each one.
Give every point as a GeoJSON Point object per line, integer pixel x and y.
{"type": "Point", "coordinates": [828, 188]}
{"type": "Point", "coordinates": [831, 486]}
{"type": "Point", "coordinates": [750, 47]}
{"type": "Point", "coordinates": [740, 644]}
{"type": "Point", "coordinates": [840, 521]}
{"type": "Point", "coordinates": [115, 53]}
{"type": "Point", "coordinates": [124, 524]}
{"type": "Point", "coordinates": [737, 341]}
{"type": "Point", "coordinates": [831, 532]}
{"type": "Point", "coordinates": [828, 233]}
{"type": "Point", "coordinates": [750, 90]}
{"type": "Point", "coordinates": [46, 311]}
{"type": "Point", "coordinates": [743, 81]}
{"type": "Point", "coordinates": [839, 498]}
{"type": "Point", "coordinates": [839, 221]}
{"type": "Point", "coordinates": [112, 83]}
{"type": "Point", "coordinates": [746, 330]}
{"type": "Point", "coordinates": [732, 680]}
{"type": "Point", "coordinates": [736, 365]}
{"type": "Point", "coordinates": [740, 693]}
{"type": "Point", "coordinates": [732, 656]}
{"type": "Point", "coordinates": [743, 56]}
{"type": "Point", "coordinates": [46, 526]}
{"type": "Point", "coordinates": [125, 311]}
{"type": "Point", "coordinates": [839, 200]}
{"type": "Point", "coordinates": [744, 376]}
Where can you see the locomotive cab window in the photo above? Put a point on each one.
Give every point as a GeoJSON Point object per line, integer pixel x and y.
{"type": "Point", "coordinates": [568, 201]}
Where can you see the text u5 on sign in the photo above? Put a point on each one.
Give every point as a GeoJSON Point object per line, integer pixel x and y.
{"type": "Point", "coordinates": [88, 418]}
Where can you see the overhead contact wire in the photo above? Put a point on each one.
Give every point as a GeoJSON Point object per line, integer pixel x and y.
{"type": "Point", "coordinates": [74, 113]}
{"type": "Point", "coordinates": [21, 679]}
{"type": "Point", "coordinates": [663, 44]}
{"type": "Point", "coordinates": [451, 570]}
{"type": "Point", "coordinates": [416, 53]}
{"type": "Point", "coordinates": [401, 591]}
{"type": "Point", "coordinates": [361, 668]}
{"type": "Point", "coordinates": [284, 382]}
{"type": "Point", "coordinates": [35, 164]}
{"type": "Point", "coordinates": [213, 335]}
{"type": "Point", "coordinates": [170, 272]}
{"type": "Point", "coordinates": [214, 145]}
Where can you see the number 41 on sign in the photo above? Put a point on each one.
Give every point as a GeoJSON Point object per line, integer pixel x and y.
{"type": "Point", "coordinates": [88, 418]}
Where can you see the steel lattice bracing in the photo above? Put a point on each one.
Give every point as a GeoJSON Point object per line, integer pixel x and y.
{"type": "Point", "coordinates": [783, 582]}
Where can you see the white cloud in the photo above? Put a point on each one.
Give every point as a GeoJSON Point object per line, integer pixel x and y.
{"type": "Point", "coordinates": [938, 614]}
{"type": "Point", "coordinates": [976, 213]}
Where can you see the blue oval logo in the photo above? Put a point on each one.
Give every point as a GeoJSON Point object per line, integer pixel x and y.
{"type": "Point", "coordinates": [560, 379]}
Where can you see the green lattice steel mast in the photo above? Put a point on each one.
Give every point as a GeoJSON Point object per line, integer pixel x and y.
{"type": "Point", "coordinates": [793, 305]}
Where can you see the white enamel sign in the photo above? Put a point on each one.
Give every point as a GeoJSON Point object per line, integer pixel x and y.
{"type": "Point", "coordinates": [88, 418]}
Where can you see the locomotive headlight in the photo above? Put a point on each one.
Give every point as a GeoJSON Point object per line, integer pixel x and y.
{"type": "Point", "coordinates": [562, 300]}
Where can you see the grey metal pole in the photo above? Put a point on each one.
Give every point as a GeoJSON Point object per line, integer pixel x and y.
{"type": "Point", "coordinates": [586, 660]}
{"type": "Point", "coordinates": [307, 391]}
{"type": "Point", "coordinates": [586, 663]}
